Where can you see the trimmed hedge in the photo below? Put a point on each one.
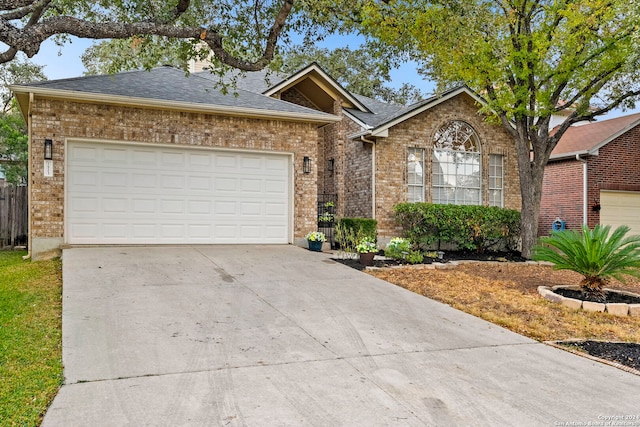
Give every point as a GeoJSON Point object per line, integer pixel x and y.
{"type": "Point", "coordinates": [350, 231]}
{"type": "Point", "coordinates": [468, 227]}
{"type": "Point", "coordinates": [361, 226]}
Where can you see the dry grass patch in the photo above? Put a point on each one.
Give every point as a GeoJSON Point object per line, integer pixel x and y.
{"type": "Point", "coordinates": [506, 294]}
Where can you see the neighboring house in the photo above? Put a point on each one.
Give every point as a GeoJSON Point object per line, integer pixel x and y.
{"type": "Point", "coordinates": [593, 176]}
{"type": "Point", "coordinates": [161, 158]}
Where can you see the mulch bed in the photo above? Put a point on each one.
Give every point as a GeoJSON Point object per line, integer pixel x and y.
{"type": "Point", "coordinates": [448, 256]}
{"type": "Point", "coordinates": [627, 354]}
{"type": "Point", "coordinates": [610, 297]}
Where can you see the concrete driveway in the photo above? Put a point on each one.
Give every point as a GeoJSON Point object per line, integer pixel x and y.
{"type": "Point", "coordinates": [280, 336]}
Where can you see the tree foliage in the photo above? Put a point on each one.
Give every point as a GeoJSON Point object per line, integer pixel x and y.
{"type": "Point", "coordinates": [15, 72]}
{"type": "Point", "coordinates": [13, 147]}
{"type": "Point", "coordinates": [13, 129]}
{"type": "Point", "coordinates": [241, 34]}
{"type": "Point", "coordinates": [530, 59]}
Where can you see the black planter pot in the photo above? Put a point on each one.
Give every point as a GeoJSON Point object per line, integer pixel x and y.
{"type": "Point", "coordinates": [315, 246]}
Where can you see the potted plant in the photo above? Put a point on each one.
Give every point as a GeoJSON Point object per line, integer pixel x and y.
{"type": "Point", "coordinates": [367, 249]}
{"type": "Point", "coordinates": [315, 239]}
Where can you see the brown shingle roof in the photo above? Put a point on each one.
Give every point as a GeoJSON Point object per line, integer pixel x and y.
{"type": "Point", "coordinates": [590, 137]}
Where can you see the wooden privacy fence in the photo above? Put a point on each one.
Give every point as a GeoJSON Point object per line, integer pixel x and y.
{"type": "Point", "coordinates": [13, 216]}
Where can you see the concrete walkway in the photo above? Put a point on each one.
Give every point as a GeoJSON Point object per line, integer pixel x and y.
{"type": "Point", "coordinates": [280, 336]}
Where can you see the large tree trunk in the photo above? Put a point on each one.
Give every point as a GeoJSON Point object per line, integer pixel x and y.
{"type": "Point", "coordinates": [531, 175]}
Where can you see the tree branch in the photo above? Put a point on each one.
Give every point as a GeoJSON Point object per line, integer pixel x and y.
{"type": "Point", "coordinates": [20, 13]}
{"type": "Point", "coordinates": [29, 38]}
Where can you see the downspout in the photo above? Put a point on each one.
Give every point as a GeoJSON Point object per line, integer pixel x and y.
{"type": "Point", "coordinates": [29, 179]}
{"type": "Point", "coordinates": [584, 188]}
{"type": "Point", "coordinates": [373, 174]}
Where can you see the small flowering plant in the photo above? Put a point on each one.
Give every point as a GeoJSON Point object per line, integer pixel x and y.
{"type": "Point", "coordinates": [398, 248]}
{"type": "Point", "coordinates": [366, 246]}
{"type": "Point", "coordinates": [316, 236]}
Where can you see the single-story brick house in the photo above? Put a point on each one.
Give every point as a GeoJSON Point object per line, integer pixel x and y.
{"type": "Point", "coordinates": [593, 176]}
{"type": "Point", "coordinates": [158, 157]}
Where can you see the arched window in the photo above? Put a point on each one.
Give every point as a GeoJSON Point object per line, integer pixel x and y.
{"type": "Point", "coordinates": [456, 165]}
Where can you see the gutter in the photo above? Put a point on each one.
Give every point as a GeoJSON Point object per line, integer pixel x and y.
{"type": "Point", "coordinates": [373, 174]}
{"type": "Point", "coordinates": [584, 188]}
{"type": "Point", "coordinates": [29, 179]}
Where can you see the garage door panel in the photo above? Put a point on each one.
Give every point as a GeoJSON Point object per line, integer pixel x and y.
{"type": "Point", "coordinates": [79, 154]}
{"type": "Point", "coordinates": [199, 183]}
{"type": "Point", "coordinates": [275, 209]}
{"type": "Point", "coordinates": [116, 156]}
{"type": "Point", "coordinates": [276, 186]}
{"type": "Point", "coordinates": [249, 162]}
{"type": "Point", "coordinates": [115, 232]}
{"type": "Point", "coordinates": [620, 208]}
{"type": "Point", "coordinates": [85, 179]}
{"type": "Point", "coordinates": [173, 159]}
{"type": "Point", "coordinates": [199, 161]}
{"type": "Point", "coordinates": [251, 209]}
{"type": "Point", "coordinates": [249, 185]}
{"type": "Point", "coordinates": [112, 180]}
{"type": "Point", "coordinates": [131, 194]}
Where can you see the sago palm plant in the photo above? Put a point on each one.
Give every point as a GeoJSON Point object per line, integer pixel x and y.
{"type": "Point", "coordinates": [594, 254]}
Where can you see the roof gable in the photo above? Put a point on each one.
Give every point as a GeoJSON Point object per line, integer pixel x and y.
{"type": "Point", "coordinates": [319, 87]}
{"type": "Point", "coordinates": [589, 138]}
{"type": "Point", "coordinates": [378, 125]}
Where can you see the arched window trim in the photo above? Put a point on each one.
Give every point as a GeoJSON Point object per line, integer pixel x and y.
{"type": "Point", "coordinates": [464, 129]}
{"type": "Point", "coordinates": [457, 165]}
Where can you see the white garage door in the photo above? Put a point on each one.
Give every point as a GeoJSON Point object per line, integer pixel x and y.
{"type": "Point", "coordinates": [620, 208]}
{"type": "Point", "coordinates": [133, 194]}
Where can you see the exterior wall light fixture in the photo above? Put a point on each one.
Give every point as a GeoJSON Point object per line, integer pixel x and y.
{"type": "Point", "coordinates": [306, 164]}
{"type": "Point", "coordinates": [48, 149]}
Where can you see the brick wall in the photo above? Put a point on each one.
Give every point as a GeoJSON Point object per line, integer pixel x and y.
{"type": "Point", "coordinates": [391, 154]}
{"type": "Point", "coordinates": [59, 120]}
{"type": "Point", "coordinates": [561, 195]}
{"type": "Point", "coordinates": [358, 188]}
{"type": "Point", "coordinates": [615, 167]}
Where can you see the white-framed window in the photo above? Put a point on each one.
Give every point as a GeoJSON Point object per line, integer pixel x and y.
{"type": "Point", "coordinates": [415, 175]}
{"type": "Point", "coordinates": [456, 165]}
{"type": "Point", "coordinates": [496, 180]}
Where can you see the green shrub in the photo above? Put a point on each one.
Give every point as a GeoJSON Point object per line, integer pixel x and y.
{"type": "Point", "coordinates": [414, 257]}
{"type": "Point", "coordinates": [365, 227]}
{"type": "Point", "coordinates": [468, 227]}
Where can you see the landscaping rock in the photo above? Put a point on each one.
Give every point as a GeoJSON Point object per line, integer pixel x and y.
{"type": "Point", "coordinates": [618, 309]}
{"type": "Point", "coordinates": [553, 297]}
{"type": "Point", "coordinates": [634, 310]}
{"type": "Point", "coordinates": [576, 304]}
{"type": "Point", "coordinates": [592, 306]}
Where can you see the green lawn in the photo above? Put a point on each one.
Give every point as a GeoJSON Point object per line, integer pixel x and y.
{"type": "Point", "coordinates": [30, 337]}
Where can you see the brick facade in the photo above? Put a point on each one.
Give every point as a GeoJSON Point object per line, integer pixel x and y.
{"type": "Point", "coordinates": [615, 167]}
{"type": "Point", "coordinates": [356, 163]}
{"type": "Point", "coordinates": [358, 180]}
{"type": "Point", "coordinates": [561, 195]}
{"type": "Point", "coordinates": [60, 120]}
{"type": "Point", "coordinates": [391, 157]}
